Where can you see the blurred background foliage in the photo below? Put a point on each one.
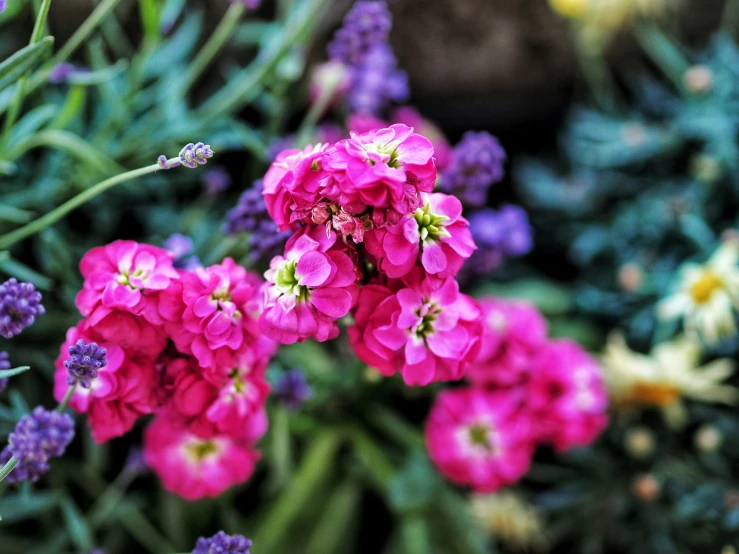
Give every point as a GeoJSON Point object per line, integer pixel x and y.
{"type": "Point", "coordinates": [638, 175]}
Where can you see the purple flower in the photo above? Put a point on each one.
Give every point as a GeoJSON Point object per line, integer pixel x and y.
{"type": "Point", "coordinates": [3, 5]}
{"type": "Point", "coordinates": [135, 462]}
{"type": "Point", "coordinates": [61, 72]}
{"type": "Point", "coordinates": [4, 364]}
{"type": "Point", "coordinates": [216, 181]}
{"type": "Point", "coordinates": [193, 155]}
{"type": "Point", "coordinates": [250, 215]}
{"type": "Point", "coordinates": [498, 235]}
{"type": "Point", "coordinates": [221, 543]}
{"type": "Point", "coordinates": [376, 82]}
{"type": "Point", "coordinates": [292, 389]}
{"type": "Point", "coordinates": [20, 303]}
{"type": "Point", "coordinates": [181, 246]}
{"type": "Point", "coordinates": [38, 437]}
{"type": "Point", "coordinates": [84, 362]}
{"type": "Point", "coordinates": [367, 24]}
{"type": "Point", "coordinates": [477, 163]}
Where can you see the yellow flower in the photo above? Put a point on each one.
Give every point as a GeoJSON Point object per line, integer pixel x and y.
{"type": "Point", "coordinates": [665, 377]}
{"type": "Point", "coordinates": [510, 519]}
{"type": "Point", "coordinates": [610, 14]}
{"type": "Point", "coordinates": [570, 8]}
{"type": "Point", "coordinates": [707, 295]}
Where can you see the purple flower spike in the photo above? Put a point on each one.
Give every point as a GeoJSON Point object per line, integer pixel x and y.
{"type": "Point", "coordinates": [3, 5]}
{"type": "Point", "coordinates": [221, 543]}
{"type": "Point", "coordinates": [366, 25]}
{"type": "Point", "coordinates": [194, 155]}
{"type": "Point", "coordinates": [61, 72]}
{"type": "Point", "coordinates": [477, 163]}
{"type": "Point", "coordinates": [292, 390]}
{"type": "Point", "coordinates": [38, 437]}
{"type": "Point", "coordinates": [84, 362]}
{"type": "Point", "coordinates": [20, 303]}
{"type": "Point", "coordinates": [4, 364]}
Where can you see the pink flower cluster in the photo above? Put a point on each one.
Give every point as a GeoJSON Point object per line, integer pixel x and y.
{"type": "Point", "coordinates": [363, 211]}
{"type": "Point", "coordinates": [525, 390]}
{"type": "Point", "coordinates": [183, 345]}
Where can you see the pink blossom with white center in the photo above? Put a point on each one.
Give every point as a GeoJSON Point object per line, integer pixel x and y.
{"type": "Point", "coordinates": [195, 467]}
{"type": "Point", "coordinates": [436, 233]}
{"type": "Point", "coordinates": [513, 332]}
{"type": "Point", "coordinates": [480, 438]}
{"type": "Point", "coordinates": [210, 313]}
{"type": "Point", "coordinates": [384, 168]}
{"type": "Point", "coordinates": [308, 289]}
{"type": "Point", "coordinates": [124, 390]}
{"type": "Point", "coordinates": [427, 331]}
{"type": "Point", "coordinates": [293, 184]}
{"type": "Point", "coordinates": [567, 395]}
{"type": "Point", "coordinates": [124, 275]}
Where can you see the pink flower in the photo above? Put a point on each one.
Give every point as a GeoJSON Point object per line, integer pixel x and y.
{"type": "Point", "coordinates": [479, 438]}
{"type": "Point", "coordinates": [308, 289]}
{"type": "Point", "coordinates": [293, 184]}
{"type": "Point", "coordinates": [193, 467]}
{"type": "Point", "coordinates": [407, 115]}
{"type": "Point", "coordinates": [138, 338]}
{"type": "Point", "coordinates": [514, 331]}
{"type": "Point", "coordinates": [566, 395]}
{"type": "Point", "coordinates": [124, 390]}
{"type": "Point", "coordinates": [124, 275]}
{"type": "Point", "coordinates": [427, 331]}
{"type": "Point", "coordinates": [385, 168]}
{"type": "Point", "coordinates": [436, 233]}
{"type": "Point", "coordinates": [211, 313]}
{"type": "Point", "coordinates": [229, 402]}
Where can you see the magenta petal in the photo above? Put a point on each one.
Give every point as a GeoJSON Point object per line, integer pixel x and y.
{"type": "Point", "coordinates": [345, 275]}
{"type": "Point", "coordinates": [416, 150]}
{"type": "Point", "coordinates": [415, 351]}
{"type": "Point", "coordinates": [218, 324]}
{"type": "Point", "coordinates": [333, 302]}
{"type": "Point", "coordinates": [398, 249]}
{"type": "Point", "coordinates": [313, 269]}
{"type": "Point", "coordinates": [204, 306]}
{"type": "Point", "coordinates": [449, 344]}
{"type": "Point", "coordinates": [420, 374]}
{"type": "Point", "coordinates": [443, 204]}
{"type": "Point", "coordinates": [433, 258]}
{"type": "Point", "coordinates": [391, 336]}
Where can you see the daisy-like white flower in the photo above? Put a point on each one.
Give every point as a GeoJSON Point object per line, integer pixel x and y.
{"type": "Point", "coordinates": [707, 295]}
{"type": "Point", "coordinates": [665, 377]}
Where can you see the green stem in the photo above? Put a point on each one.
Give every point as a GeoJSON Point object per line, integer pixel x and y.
{"type": "Point", "coordinates": [56, 214]}
{"type": "Point", "coordinates": [316, 111]}
{"type": "Point", "coordinates": [245, 87]}
{"type": "Point", "coordinates": [20, 93]}
{"type": "Point", "coordinates": [8, 467]}
{"type": "Point", "coordinates": [74, 42]}
{"type": "Point", "coordinates": [216, 41]}
{"type": "Point", "coordinates": [67, 397]}
{"type": "Point", "coordinates": [730, 17]}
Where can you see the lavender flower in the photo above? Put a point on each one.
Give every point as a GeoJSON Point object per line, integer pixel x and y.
{"type": "Point", "coordinates": [367, 24]}
{"type": "Point", "coordinates": [221, 543]}
{"type": "Point", "coordinates": [38, 437]}
{"type": "Point", "coordinates": [250, 215]}
{"type": "Point", "coordinates": [477, 163]}
{"type": "Point", "coordinates": [498, 235]}
{"type": "Point", "coordinates": [181, 246]}
{"type": "Point", "coordinates": [377, 82]}
{"type": "Point", "coordinates": [292, 389]}
{"type": "Point", "coordinates": [3, 5]}
{"type": "Point", "coordinates": [216, 181]}
{"type": "Point", "coordinates": [4, 364]}
{"type": "Point", "coordinates": [135, 462]}
{"type": "Point", "coordinates": [192, 155]}
{"type": "Point", "coordinates": [20, 303]}
{"type": "Point", "coordinates": [84, 362]}
{"type": "Point", "coordinates": [61, 72]}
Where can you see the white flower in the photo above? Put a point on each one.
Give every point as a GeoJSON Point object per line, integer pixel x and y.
{"type": "Point", "coordinates": [509, 518]}
{"type": "Point", "coordinates": [665, 377]}
{"type": "Point", "coordinates": [707, 295]}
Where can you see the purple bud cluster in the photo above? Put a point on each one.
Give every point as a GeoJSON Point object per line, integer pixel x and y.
{"type": "Point", "coordinates": [20, 303]}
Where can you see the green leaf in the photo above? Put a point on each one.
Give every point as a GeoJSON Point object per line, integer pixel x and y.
{"type": "Point", "coordinates": [18, 506]}
{"type": "Point", "coordinates": [414, 488]}
{"type": "Point", "coordinates": [24, 273]}
{"type": "Point", "coordinates": [336, 521]}
{"type": "Point", "coordinates": [79, 530]}
{"type": "Point", "coordinates": [23, 61]}
{"type": "Point", "coordinates": [5, 373]}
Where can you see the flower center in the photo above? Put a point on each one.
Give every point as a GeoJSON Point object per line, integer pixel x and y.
{"type": "Point", "coordinates": [238, 383]}
{"type": "Point", "coordinates": [287, 282]}
{"type": "Point", "coordinates": [480, 435]}
{"type": "Point", "coordinates": [428, 313]}
{"type": "Point", "coordinates": [221, 295]}
{"type": "Point", "coordinates": [708, 283]}
{"type": "Point", "coordinates": [430, 226]}
{"type": "Point", "coordinates": [199, 450]}
{"type": "Point", "coordinates": [652, 394]}
{"type": "Point", "coordinates": [388, 152]}
{"type": "Point", "coordinates": [124, 277]}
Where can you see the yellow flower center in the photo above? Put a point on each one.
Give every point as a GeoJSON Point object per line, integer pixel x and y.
{"type": "Point", "coordinates": [198, 450]}
{"type": "Point", "coordinates": [652, 394]}
{"type": "Point", "coordinates": [708, 283]}
{"type": "Point", "coordinates": [479, 436]}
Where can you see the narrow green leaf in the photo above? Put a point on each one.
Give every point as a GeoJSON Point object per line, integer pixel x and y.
{"type": "Point", "coordinates": [336, 521]}
{"type": "Point", "coordinates": [12, 214]}
{"type": "Point", "coordinates": [17, 507]}
{"type": "Point", "coordinates": [5, 373]}
{"type": "Point", "coordinates": [23, 61]}
{"type": "Point", "coordinates": [24, 273]}
{"type": "Point", "coordinates": [78, 529]}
